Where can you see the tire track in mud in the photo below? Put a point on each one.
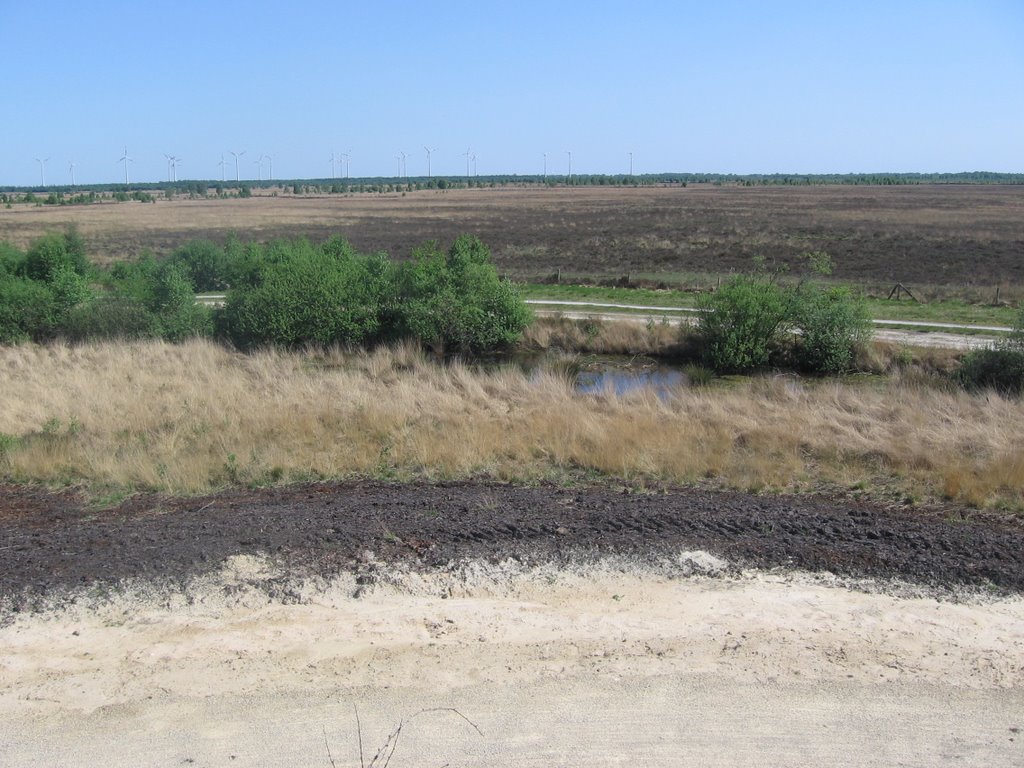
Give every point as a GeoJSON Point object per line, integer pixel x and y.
{"type": "Point", "coordinates": [54, 541]}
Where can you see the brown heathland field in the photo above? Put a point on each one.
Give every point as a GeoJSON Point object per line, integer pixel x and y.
{"type": "Point", "coordinates": [927, 234]}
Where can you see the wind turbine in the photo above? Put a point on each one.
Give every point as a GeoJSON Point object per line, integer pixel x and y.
{"type": "Point", "coordinates": [270, 160]}
{"type": "Point", "coordinates": [468, 152]}
{"type": "Point", "coordinates": [545, 166]}
{"type": "Point", "coordinates": [174, 167]}
{"type": "Point", "coordinates": [237, 155]}
{"type": "Point", "coordinates": [569, 153]}
{"type": "Point", "coordinates": [630, 163]}
{"type": "Point", "coordinates": [125, 159]}
{"type": "Point", "coordinates": [259, 168]}
{"type": "Point", "coordinates": [334, 159]}
{"type": "Point", "coordinates": [223, 166]}
{"type": "Point", "coordinates": [429, 150]}
{"type": "Point", "coordinates": [42, 170]}
{"type": "Point", "coordinates": [71, 168]}
{"type": "Point", "coordinates": [348, 157]}
{"type": "Point", "coordinates": [399, 159]}
{"type": "Point", "coordinates": [169, 161]}
{"type": "Point", "coordinates": [474, 165]}
{"type": "Point", "coordinates": [405, 166]}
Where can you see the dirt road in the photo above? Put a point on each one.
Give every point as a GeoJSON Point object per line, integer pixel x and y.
{"type": "Point", "coordinates": [566, 626]}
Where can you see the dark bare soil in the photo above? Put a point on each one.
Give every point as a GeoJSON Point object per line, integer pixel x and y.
{"type": "Point", "coordinates": [50, 542]}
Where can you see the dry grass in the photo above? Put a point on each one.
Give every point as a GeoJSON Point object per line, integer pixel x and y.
{"type": "Point", "coordinates": [605, 338]}
{"type": "Point", "coordinates": [194, 417]}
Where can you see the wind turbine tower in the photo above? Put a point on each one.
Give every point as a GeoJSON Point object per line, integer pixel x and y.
{"type": "Point", "coordinates": [429, 150]}
{"type": "Point", "coordinates": [347, 156]}
{"type": "Point", "coordinates": [270, 161]}
{"type": "Point", "coordinates": [125, 159]}
{"type": "Point", "coordinates": [169, 161]}
{"type": "Point", "coordinates": [42, 170]}
{"type": "Point", "coordinates": [71, 168]}
{"type": "Point", "coordinates": [631, 164]}
{"type": "Point", "coordinates": [569, 153]}
{"type": "Point", "coordinates": [468, 153]}
{"type": "Point", "coordinates": [545, 166]}
{"type": "Point", "coordinates": [237, 155]}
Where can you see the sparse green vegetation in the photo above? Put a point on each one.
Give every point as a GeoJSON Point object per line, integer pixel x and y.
{"type": "Point", "coordinates": [1000, 367]}
{"type": "Point", "coordinates": [753, 320]}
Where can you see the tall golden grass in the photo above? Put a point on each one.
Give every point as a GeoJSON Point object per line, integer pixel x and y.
{"type": "Point", "coordinates": [194, 417]}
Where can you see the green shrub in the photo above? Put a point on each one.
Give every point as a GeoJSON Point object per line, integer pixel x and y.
{"type": "Point", "coordinates": [752, 321]}
{"type": "Point", "coordinates": [110, 317]}
{"type": "Point", "coordinates": [302, 294]}
{"type": "Point", "coordinates": [742, 322]}
{"type": "Point", "coordinates": [1000, 367]}
{"type": "Point", "coordinates": [455, 301]}
{"type": "Point", "coordinates": [173, 303]}
{"type": "Point", "coordinates": [205, 263]}
{"type": "Point", "coordinates": [11, 259]}
{"type": "Point", "coordinates": [831, 323]}
{"type": "Point", "coordinates": [26, 309]}
{"type": "Point", "coordinates": [53, 253]}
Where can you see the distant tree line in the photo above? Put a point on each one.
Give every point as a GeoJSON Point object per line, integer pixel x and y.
{"type": "Point", "coordinates": [204, 188]}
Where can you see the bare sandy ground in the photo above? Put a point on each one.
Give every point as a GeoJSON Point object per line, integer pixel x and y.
{"type": "Point", "coordinates": [605, 664]}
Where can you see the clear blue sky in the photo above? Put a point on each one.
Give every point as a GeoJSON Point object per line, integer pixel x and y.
{"type": "Point", "coordinates": [734, 86]}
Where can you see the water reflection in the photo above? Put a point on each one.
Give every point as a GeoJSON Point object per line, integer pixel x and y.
{"type": "Point", "coordinates": [598, 374]}
{"type": "Point", "coordinates": [661, 380]}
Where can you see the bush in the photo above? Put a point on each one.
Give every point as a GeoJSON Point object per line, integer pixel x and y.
{"type": "Point", "coordinates": [832, 323]}
{"type": "Point", "coordinates": [205, 263]}
{"type": "Point", "coordinates": [11, 259]}
{"type": "Point", "coordinates": [742, 322]}
{"type": "Point", "coordinates": [26, 310]}
{"type": "Point", "coordinates": [455, 301]}
{"type": "Point", "coordinates": [53, 253]}
{"type": "Point", "coordinates": [305, 295]}
{"type": "Point", "coordinates": [1000, 367]}
{"type": "Point", "coordinates": [750, 321]}
{"type": "Point", "coordinates": [173, 304]}
{"type": "Point", "coordinates": [107, 317]}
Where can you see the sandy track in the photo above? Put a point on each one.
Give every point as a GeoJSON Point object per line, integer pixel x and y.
{"type": "Point", "coordinates": [923, 338]}
{"type": "Point", "coordinates": [611, 663]}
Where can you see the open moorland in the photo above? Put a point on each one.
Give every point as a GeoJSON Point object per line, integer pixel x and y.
{"type": "Point", "coordinates": [926, 235]}
{"type": "Point", "coordinates": [285, 555]}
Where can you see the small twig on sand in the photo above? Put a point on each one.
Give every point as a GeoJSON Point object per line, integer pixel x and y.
{"type": "Point", "coordinates": [359, 735]}
{"type": "Point", "coordinates": [387, 750]}
{"type": "Point", "coordinates": [327, 744]}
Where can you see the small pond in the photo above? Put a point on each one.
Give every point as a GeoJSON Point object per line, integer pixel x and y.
{"type": "Point", "coordinates": [596, 374]}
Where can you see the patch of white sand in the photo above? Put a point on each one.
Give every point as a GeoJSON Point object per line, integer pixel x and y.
{"type": "Point", "coordinates": [603, 664]}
